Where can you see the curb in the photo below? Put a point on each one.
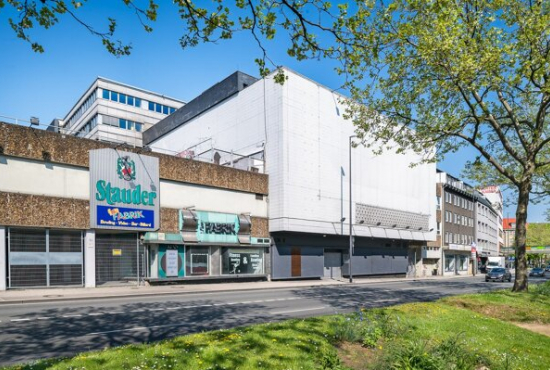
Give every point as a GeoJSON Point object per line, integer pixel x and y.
{"type": "Point", "coordinates": [150, 294]}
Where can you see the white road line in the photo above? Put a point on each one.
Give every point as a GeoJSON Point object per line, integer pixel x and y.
{"type": "Point", "coordinates": [17, 320]}
{"type": "Point", "coordinates": [246, 302]}
{"type": "Point", "coordinates": [173, 308]}
{"type": "Point", "coordinates": [44, 318]}
{"type": "Point", "coordinates": [96, 314]}
{"type": "Point", "coordinates": [156, 309]}
{"type": "Point", "coordinates": [190, 306]}
{"type": "Point", "coordinates": [301, 310]}
{"type": "Point", "coordinates": [205, 305]}
{"type": "Point", "coordinates": [72, 316]}
{"type": "Point", "coordinates": [135, 311]}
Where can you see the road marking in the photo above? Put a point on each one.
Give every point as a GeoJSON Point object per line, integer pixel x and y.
{"type": "Point", "coordinates": [72, 316]}
{"type": "Point", "coordinates": [173, 308]}
{"type": "Point", "coordinates": [17, 320]}
{"type": "Point", "coordinates": [96, 314]}
{"type": "Point", "coordinates": [44, 318]}
{"type": "Point", "coordinates": [156, 309]}
{"type": "Point", "coordinates": [303, 309]}
{"type": "Point", "coordinates": [205, 305]}
{"type": "Point", "coordinates": [135, 311]}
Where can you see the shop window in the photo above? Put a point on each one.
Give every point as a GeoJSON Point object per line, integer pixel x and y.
{"type": "Point", "coordinates": [463, 263]}
{"type": "Point", "coordinates": [449, 263]}
{"type": "Point", "coordinates": [242, 261]}
{"type": "Point", "coordinates": [197, 262]}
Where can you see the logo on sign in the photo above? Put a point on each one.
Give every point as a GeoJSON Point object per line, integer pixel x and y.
{"type": "Point", "coordinates": [126, 168]}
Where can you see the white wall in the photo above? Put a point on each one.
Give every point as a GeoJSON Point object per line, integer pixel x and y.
{"type": "Point", "coordinates": [307, 143]}
{"type": "Point", "coordinates": [25, 176]}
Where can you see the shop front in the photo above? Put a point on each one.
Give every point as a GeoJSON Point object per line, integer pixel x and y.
{"type": "Point", "coordinates": [457, 260]}
{"type": "Point", "coordinates": [210, 245]}
{"type": "Point", "coordinates": [124, 202]}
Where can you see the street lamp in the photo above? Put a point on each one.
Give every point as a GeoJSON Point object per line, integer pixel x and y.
{"type": "Point", "coordinates": [350, 213]}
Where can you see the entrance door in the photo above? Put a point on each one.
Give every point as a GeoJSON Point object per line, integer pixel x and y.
{"type": "Point", "coordinates": [333, 264]}
{"type": "Point", "coordinates": [296, 262]}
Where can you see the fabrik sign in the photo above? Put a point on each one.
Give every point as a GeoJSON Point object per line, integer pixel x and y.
{"type": "Point", "coordinates": [124, 190]}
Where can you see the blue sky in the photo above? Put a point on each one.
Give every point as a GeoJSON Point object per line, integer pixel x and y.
{"type": "Point", "coordinates": [47, 85]}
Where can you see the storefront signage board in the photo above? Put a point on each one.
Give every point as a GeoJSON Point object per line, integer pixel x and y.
{"type": "Point", "coordinates": [124, 190]}
{"type": "Point", "coordinates": [213, 227]}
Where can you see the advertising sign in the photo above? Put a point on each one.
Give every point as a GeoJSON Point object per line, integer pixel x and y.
{"type": "Point", "coordinates": [124, 190]}
{"type": "Point", "coordinates": [172, 262]}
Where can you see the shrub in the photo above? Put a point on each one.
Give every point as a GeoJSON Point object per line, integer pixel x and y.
{"type": "Point", "coordinates": [541, 289]}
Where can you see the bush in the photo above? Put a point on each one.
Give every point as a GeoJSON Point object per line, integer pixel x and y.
{"type": "Point", "coordinates": [451, 354]}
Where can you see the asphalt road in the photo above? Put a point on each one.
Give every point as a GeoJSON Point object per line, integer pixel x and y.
{"type": "Point", "coordinates": [43, 330]}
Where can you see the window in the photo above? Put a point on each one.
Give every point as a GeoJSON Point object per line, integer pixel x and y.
{"type": "Point", "coordinates": [438, 228]}
{"type": "Point", "coordinates": [121, 98]}
{"type": "Point", "coordinates": [198, 261]}
{"type": "Point", "coordinates": [160, 108]}
{"type": "Point", "coordinates": [122, 123]}
{"type": "Point", "coordinates": [81, 109]}
{"type": "Point", "coordinates": [463, 263]}
{"type": "Point", "coordinates": [242, 261]}
{"type": "Point", "coordinates": [449, 263]}
{"type": "Point", "coordinates": [129, 125]}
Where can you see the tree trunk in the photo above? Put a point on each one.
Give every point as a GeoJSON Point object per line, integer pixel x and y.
{"type": "Point", "coordinates": [521, 282]}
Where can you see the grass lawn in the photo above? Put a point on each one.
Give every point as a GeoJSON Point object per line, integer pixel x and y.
{"type": "Point", "coordinates": [453, 333]}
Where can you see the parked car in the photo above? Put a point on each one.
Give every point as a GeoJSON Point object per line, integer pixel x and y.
{"type": "Point", "coordinates": [537, 272]}
{"type": "Point", "coordinates": [547, 268]}
{"type": "Point", "coordinates": [498, 274]}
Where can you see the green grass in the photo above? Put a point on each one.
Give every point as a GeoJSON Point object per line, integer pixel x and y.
{"type": "Point", "coordinates": [508, 306]}
{"type": "Point", "coordinates": [453, 333]}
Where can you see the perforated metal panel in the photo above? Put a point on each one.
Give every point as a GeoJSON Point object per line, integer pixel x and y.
{"type": "Point", "coordinates": [386, 217]}
{"type": "Point", "coordinates": [44, 258]}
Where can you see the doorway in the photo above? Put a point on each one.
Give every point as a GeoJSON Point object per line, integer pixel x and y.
{"type": "Point", "coordinates": [333, 264]}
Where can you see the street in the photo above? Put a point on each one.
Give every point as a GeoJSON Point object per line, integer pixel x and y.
{"type": "Point", "coordinates": [43, 330]}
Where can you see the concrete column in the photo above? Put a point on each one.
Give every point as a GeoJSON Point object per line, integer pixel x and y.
{"type": "Point", "coordinates": [89, 258]}
{"type": "Point", "coordinates": [3, 255]}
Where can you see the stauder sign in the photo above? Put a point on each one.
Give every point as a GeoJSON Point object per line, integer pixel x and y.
{"type": "Point", "coordinates": [124, 190]}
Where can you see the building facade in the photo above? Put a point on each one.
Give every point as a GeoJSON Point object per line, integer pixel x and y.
{"type": "Point", "coordinates": [456, 224]}
{"type": "Point", "coordinates": [494, 196]}
{"type": "Point", "coordinates": [115, 112]}
{"type": "Point", "coordinates": [78, 212]}
{"type": "Point", "coordinates": [487, 230]}
{"type": "Point", "coordinates": [299, 133]}
{"type": "Point", "coordinates": [509, 233]}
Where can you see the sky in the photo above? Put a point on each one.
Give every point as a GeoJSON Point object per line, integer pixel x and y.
{"type": "Point", "coordinates": [47, 85]}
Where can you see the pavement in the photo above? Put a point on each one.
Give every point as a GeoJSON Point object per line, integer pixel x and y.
{"type": "Point", "coordinates": [22, 296]}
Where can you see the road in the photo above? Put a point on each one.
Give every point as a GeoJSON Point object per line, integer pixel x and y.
{"type": "Point", "coordinates": [44, 330]}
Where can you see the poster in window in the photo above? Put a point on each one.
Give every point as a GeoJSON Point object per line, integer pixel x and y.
{"type": "Point", "coordinates": [172, 262]}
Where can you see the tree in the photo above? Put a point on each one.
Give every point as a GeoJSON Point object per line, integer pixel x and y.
{"type": "Point", "coordinates": [538, 235]}
{"type": "Point", "coordinates": [420, 73]}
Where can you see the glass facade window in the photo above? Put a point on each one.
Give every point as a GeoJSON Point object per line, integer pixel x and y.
{"type": "Point", "coordinates": [462, 263]}
{"type": "Point", "coordinates": [197, 261]}
{"type": "Point", "coordinates": [449, 263]}
{"type": "Point", "coordinates": [242, 261]}
{"type": "Point", "coordinates": [122, 123]}
{"type": "Point", "coordinates": [160, 108]}
{"type": "Point", "coordinates": [121, 98]}
{"type": "Point", "coordinates": [82, 109]}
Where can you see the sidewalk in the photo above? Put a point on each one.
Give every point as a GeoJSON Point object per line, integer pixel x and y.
{"type": "Point", "coordinates": [71, 294]}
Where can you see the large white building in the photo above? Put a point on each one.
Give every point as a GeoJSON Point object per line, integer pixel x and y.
{"type": "Point", "coordinates": [298, 129]}
{"type": "Point", "coordinates": [494, 196]}
{"type": "Point", "coordinates": [115, 112]}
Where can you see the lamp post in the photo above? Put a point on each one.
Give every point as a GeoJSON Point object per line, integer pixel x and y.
{"type": "Point", "coordinates": [350, 212]}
